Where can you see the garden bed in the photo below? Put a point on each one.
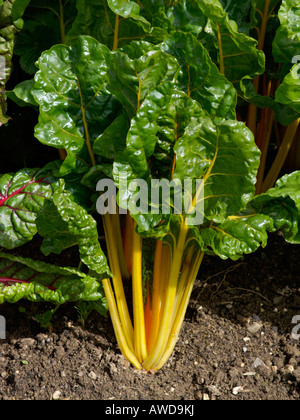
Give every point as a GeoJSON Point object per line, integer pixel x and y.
{"type": "Point", "coordinates": [236, 342]}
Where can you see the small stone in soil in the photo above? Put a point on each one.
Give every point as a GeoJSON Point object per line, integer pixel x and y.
{"type": "Point", "coordinates": [254, 327]}
{"type": "Point", "coordinates": [56, 395]}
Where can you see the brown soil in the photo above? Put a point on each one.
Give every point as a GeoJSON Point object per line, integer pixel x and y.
{"type": "Point", "coordinates": [236, 342]}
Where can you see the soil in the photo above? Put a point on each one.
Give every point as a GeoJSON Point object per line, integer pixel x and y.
{"type": "Point", "coordinates": [236, 342]}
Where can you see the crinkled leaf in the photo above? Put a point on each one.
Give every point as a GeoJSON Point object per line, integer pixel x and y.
{"type": "Point", "coordinates": [288, 186]}
{"type": "Point", "coordinates": [225, 156]}
{"type": "Point", "coordinates": [82, 227]}
{"type": "Point", "coordinates": [34, 39]}
{"type": "Point", "coordinates": [136, 49]}
{"type": "Point", "coordinates": [8, 29]}
{"type": "Point", "coordinates": [97, 18]}
{"type": "Point", "coordinates": [22, 95]}
{"type": "Point", "coordinates": [172, 122]}
{"type": "Point", "coordinates": [277, 209]}
{"type": "Point", "coordinates": [43, 23]}
{"type": "Point", "coordinates": [24, 278]}
{"type": "Point", "coordinates": [94, 18]}
{"type": "Point", "coordinates": [75, 107]}
{"type": "Point", "coordinates": [22, 196]}
{"type": "Point", "coordinates": [18, 8]}
{"type": "Point", "coordinates": [199, 76]}
{"type": "Point", "coordinates": [3, 108]}
{"type": "Point", "coordinates": [54, 230]}
{"type": "Point", "coordinates": [113, 139]}
{"type": "Point", "coordinates": [131, 80]}
{"type": "Point", "coordinates": [285, 104]}
{"type": "Point", "coordinates": [128, 9]}
{"type": "Point", "coordinates": [286, 45]}
{"type": "Point", "coordinates": [95, 174]}
{"type": "Point", "coordinates": [240, 11]}
{"type": "Point", "coordinates": [142, 135]}
{"type": "Point", "coordinates": [238, 53]}
{"type": "Point", "coordinates": [141, 143]}
{"type": "Point", "coordinates": [50, 223]}
{"type": "Point", "coordinates": [288, 92]}
{"type": "Point", "coordinates": [143, 86]}
{"type": "Point", "coordinates": [282, 205]}
{"type": "Point", "coordinates": [186, 16]}
{"type": "Point", "coordinates": [237, 236]}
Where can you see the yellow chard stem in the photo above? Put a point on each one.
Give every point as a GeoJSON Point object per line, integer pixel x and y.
{"type": "Point", "coordinates": [156, 294]}
{"type": "Point", "coordinates": [221, 53]}
{"type": "Point", "coordinates": [264, 24]}
{"type": "Point", "coordinates": [252, 112]}
{"type": "Point", "coordinates": [186, 268]}
{"type": "Point", "coordinates": [265, 147]}
{"type": "Point", "coordinates": [116, 33]}
{"type": "Point", "coordinates": [281, 156]}
{"type": "Point", "coordinates": [169, 301]}
{"type": "Point", "coordinates": [116, 225]}
{"type": "Point", "coordinates": [140, 344]}
{"type": "Point", "coordinates": [128, 242]}
{"type": "Point", "coordinates": [179, 318]}
{"type": "Point", "coordinates": [125, 350]}
{"type": "Point", "coordinates": [117, 281]}
{"type": "Point", "coordinates": [62, 23]}
{"type": "Point", "coordinates": [165, 273]}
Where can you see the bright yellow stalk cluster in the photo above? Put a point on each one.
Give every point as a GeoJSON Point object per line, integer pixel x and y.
{"type": "Point", "coordinates": [149, 341]}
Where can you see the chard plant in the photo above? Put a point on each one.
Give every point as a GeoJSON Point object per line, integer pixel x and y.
{"type": "Point", "coordinates": [137, 94]}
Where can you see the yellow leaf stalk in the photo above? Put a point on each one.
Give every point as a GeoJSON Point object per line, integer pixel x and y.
{"type": "Point", "coordinates": [138, 300]}
{"type": "Point", "coordinates": [158, 311]}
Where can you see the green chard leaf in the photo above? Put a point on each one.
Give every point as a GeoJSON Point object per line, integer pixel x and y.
{"type": "Point", "coordinates": [111, 22]}
{"type": "Point", "coordinates": [22, 95]}
{"type": "Point", "coordinates": [8, 29]}
{"type": "Point", "coordinates": [22, 196]}
{"type": "Point", "coordinates": [24, 278]}
{"type": "Point", "coordinates": [45, 24]}
{"type": "Point", "coordinates": [277, 209]}
{"type": "Point", "coordinates": [18, 8]}
{"type": "Point", "coordinates": [237, 236]}
{"type": "Point", "coordinates": [144, 88]}
{"type": "Point", "coordinates": [75, 107]}
{"type": "Point", "coordinates": [285, 50]}
{"type": "Point", "coordinates": [131, 80]}
{"type": "Point", "coordinates": [142, 136]}
{"type": "Point", "coordinates": [288, 92]}
{"type": "Point", "coordinates": [282, 205]}
{"type": "Point", "coordinates": [128, 9]}
{"type": "Point", "coordinates": [199, 77]}
{"type": "Point", "coordinates": [94, 18]}
{"type": "Point", "coordinates": [187, 16]}
{"type": "Point", "coordinates": [54, 230]}
{"type": "Point", "coordinates": [225, 156]}
{"type": "Point", "coordinates": [80, 225]}
{"type": "Point", "coordinates": [222, 153]}
{"type": "Point", "coordinates": [240, 11]}
{"type": "Point", "coordinates": [286, 45]}
{"type": "Point", "coordinates": [238, 56]}
{"type": "Point", "coordinates": [172, 122]}
{"type": "Point", "coordinates": [9, 25]}
{"type": "Point", "coordinates": [113, 139]}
